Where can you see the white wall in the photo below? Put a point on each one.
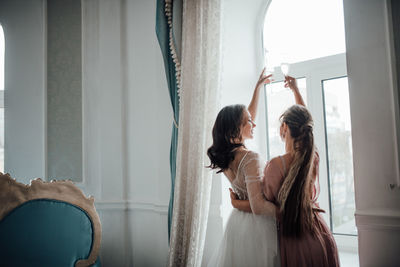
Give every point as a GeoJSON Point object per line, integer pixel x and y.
{"type": "Point", "coordinates": [127, 128]}
{"type": "Point", "coordinates": [25, 87]}
{"type": "Point", "coordinates": [127, 119]}
{"type": "Point", "coordinates": [376, 164]}
{"type": "Point", "coordinates": [243, 59]}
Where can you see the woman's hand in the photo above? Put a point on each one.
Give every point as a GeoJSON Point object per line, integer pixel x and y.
{"type": "Point", "coordinates": [242, 205]}
{"type": "Point", "coordinates": [233, 196]}
{"type": "Point", "coordinates": [264, 79]}
{"type": "Point", "coordinates": [291, 83]}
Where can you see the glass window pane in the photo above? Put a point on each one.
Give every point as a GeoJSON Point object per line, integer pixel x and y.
{"type": "Point", "coordinates": [2, 45]}
{"type": "Point", "coordinates": [278, 100]}
{"type": "Point", "coordinates": [340, 155]}
{"type": "Point", "coordinates": [297, 31]}
{"type": "Point", "coordinates": [2, 140]}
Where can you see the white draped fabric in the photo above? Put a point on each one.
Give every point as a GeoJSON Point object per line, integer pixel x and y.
{"type": "Point", "coordinates": [200, 86]}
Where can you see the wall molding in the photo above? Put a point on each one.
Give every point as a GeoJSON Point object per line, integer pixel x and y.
{"type": "Point", "coordinates": [215, 210]}
{"type": "Point", "coordinates": [388, 220]}
{"type": "Point", "coordinates": [131, 206]}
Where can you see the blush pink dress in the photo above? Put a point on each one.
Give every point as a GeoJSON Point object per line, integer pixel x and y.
{"type": "Point", "coordinates": [309, 250]}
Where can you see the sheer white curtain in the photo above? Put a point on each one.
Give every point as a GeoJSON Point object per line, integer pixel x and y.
{"type": "Point", "coordinates": [200, 86]}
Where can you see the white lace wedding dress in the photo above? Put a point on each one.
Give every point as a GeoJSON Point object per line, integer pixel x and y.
{"type": "Point", "coordinates": [249, 239]}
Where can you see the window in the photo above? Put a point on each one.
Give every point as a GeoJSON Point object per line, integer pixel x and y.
{"type": "Point", "coordinates": [2, 53]}
{"type": "Point", "coordinates": [308, 36]}
{"type": "Point", "coordinates": [296, 31]}
{"type": "Point", "coordinates": [340, 158]}
{"type": "Point", "coordinates": [278, 101]}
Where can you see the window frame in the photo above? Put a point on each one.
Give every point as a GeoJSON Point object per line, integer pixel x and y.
{"type": "Point", "coordinates": [2, 91]}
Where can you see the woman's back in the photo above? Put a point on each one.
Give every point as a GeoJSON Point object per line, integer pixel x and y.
{"type": "Point", "coordinates": [311, 249]}
{"type": "Point", "coordinates": [236, 171]}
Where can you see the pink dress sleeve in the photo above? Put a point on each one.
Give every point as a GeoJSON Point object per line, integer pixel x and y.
{"type": "Point", "coordinates": [273, 178]}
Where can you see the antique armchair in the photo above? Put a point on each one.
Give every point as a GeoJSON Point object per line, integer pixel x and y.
{"type": "Point", "coordinates": [47, 224]}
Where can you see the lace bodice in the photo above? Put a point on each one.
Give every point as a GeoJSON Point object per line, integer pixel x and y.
{"type": "Point", "coordinates": [248, 184]}
{"type": "Point", "coordinates": [238, 183]}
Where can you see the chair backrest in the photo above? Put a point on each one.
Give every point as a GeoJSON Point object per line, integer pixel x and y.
{"type": "Point", "coordinates": [47, 224]}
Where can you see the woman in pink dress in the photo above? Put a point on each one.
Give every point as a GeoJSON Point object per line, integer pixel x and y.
{"type": "Point", "coordinates": [290, 183]}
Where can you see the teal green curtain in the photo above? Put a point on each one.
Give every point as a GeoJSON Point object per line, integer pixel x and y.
{"type": "Point", "coordinates": [162, 32]}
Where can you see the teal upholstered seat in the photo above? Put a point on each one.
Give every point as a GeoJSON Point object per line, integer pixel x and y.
{"type": "Point", "coordinates": [46, 232]}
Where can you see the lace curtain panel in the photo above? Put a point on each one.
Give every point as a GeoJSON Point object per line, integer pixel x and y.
{"type": "Point", "coordinates": [199, 94]}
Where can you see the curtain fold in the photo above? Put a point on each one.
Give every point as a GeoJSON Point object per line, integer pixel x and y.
{"type": "Point", "coordinates": [165, 36]}
{"type": "Point", "coordinates": [199, 101]}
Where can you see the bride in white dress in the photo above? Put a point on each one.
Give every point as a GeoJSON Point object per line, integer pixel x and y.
{"type": "Point", "coordinates": [250, 239]}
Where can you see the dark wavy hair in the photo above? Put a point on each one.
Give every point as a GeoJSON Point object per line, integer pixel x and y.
{"type": "Point", "coordinates": [295, 194]}
{"type": "Point", "coordinates": [226, 129]}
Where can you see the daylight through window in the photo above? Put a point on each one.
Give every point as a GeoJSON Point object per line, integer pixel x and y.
{"type": "Point", "coordinates": [308, 42]}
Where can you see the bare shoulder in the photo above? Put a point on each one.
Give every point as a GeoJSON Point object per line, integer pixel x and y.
{"type": "Point", "coordinates": [253, 154]}
{"type": "Point", "coordinates": [278, 162]}
{"type": "Point", "coordinates": [244, 157]}
{"type": "Point", "coordinates": [288, 158]}
{"type": "Point", "coordinates": [240, 153]}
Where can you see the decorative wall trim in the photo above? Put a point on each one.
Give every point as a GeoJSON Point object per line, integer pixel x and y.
{"type": "Point", "coordinates": [110, 205]}
{"type": "Point", "coordinates": [64, 89]}
{"type": "Point", "coordinates": [379, 213]}
{"type": "Point", "coordinates": [159, 208]}
{"type": "Point", "coordinates": [388, 220]}
{"type": "Point", "coordinates": [131, 205]}
{"type": "Point", "coordinates": [215, 210]}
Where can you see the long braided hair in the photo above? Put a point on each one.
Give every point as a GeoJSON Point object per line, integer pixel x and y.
{"type": "Point", "coordinates": [295, 194]}
{"type": "Point", "coordinates": [226, 129]}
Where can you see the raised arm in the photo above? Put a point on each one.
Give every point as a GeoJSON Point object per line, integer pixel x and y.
{"type": "Point", "coordinates": [253, 173]}
{"type": "Point", "coordinates": [292, 84]}
{"type": "Point", "coordinates": [263, 79]}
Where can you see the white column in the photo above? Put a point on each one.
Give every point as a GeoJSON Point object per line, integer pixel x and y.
{"type": "Point", "coordinates": [374, 131]}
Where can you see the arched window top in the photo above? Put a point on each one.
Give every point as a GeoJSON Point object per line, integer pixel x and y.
{"type": "Point", "coordinates": [2, 46]}
{"type": "Point", "coordinates": [297, 31]}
